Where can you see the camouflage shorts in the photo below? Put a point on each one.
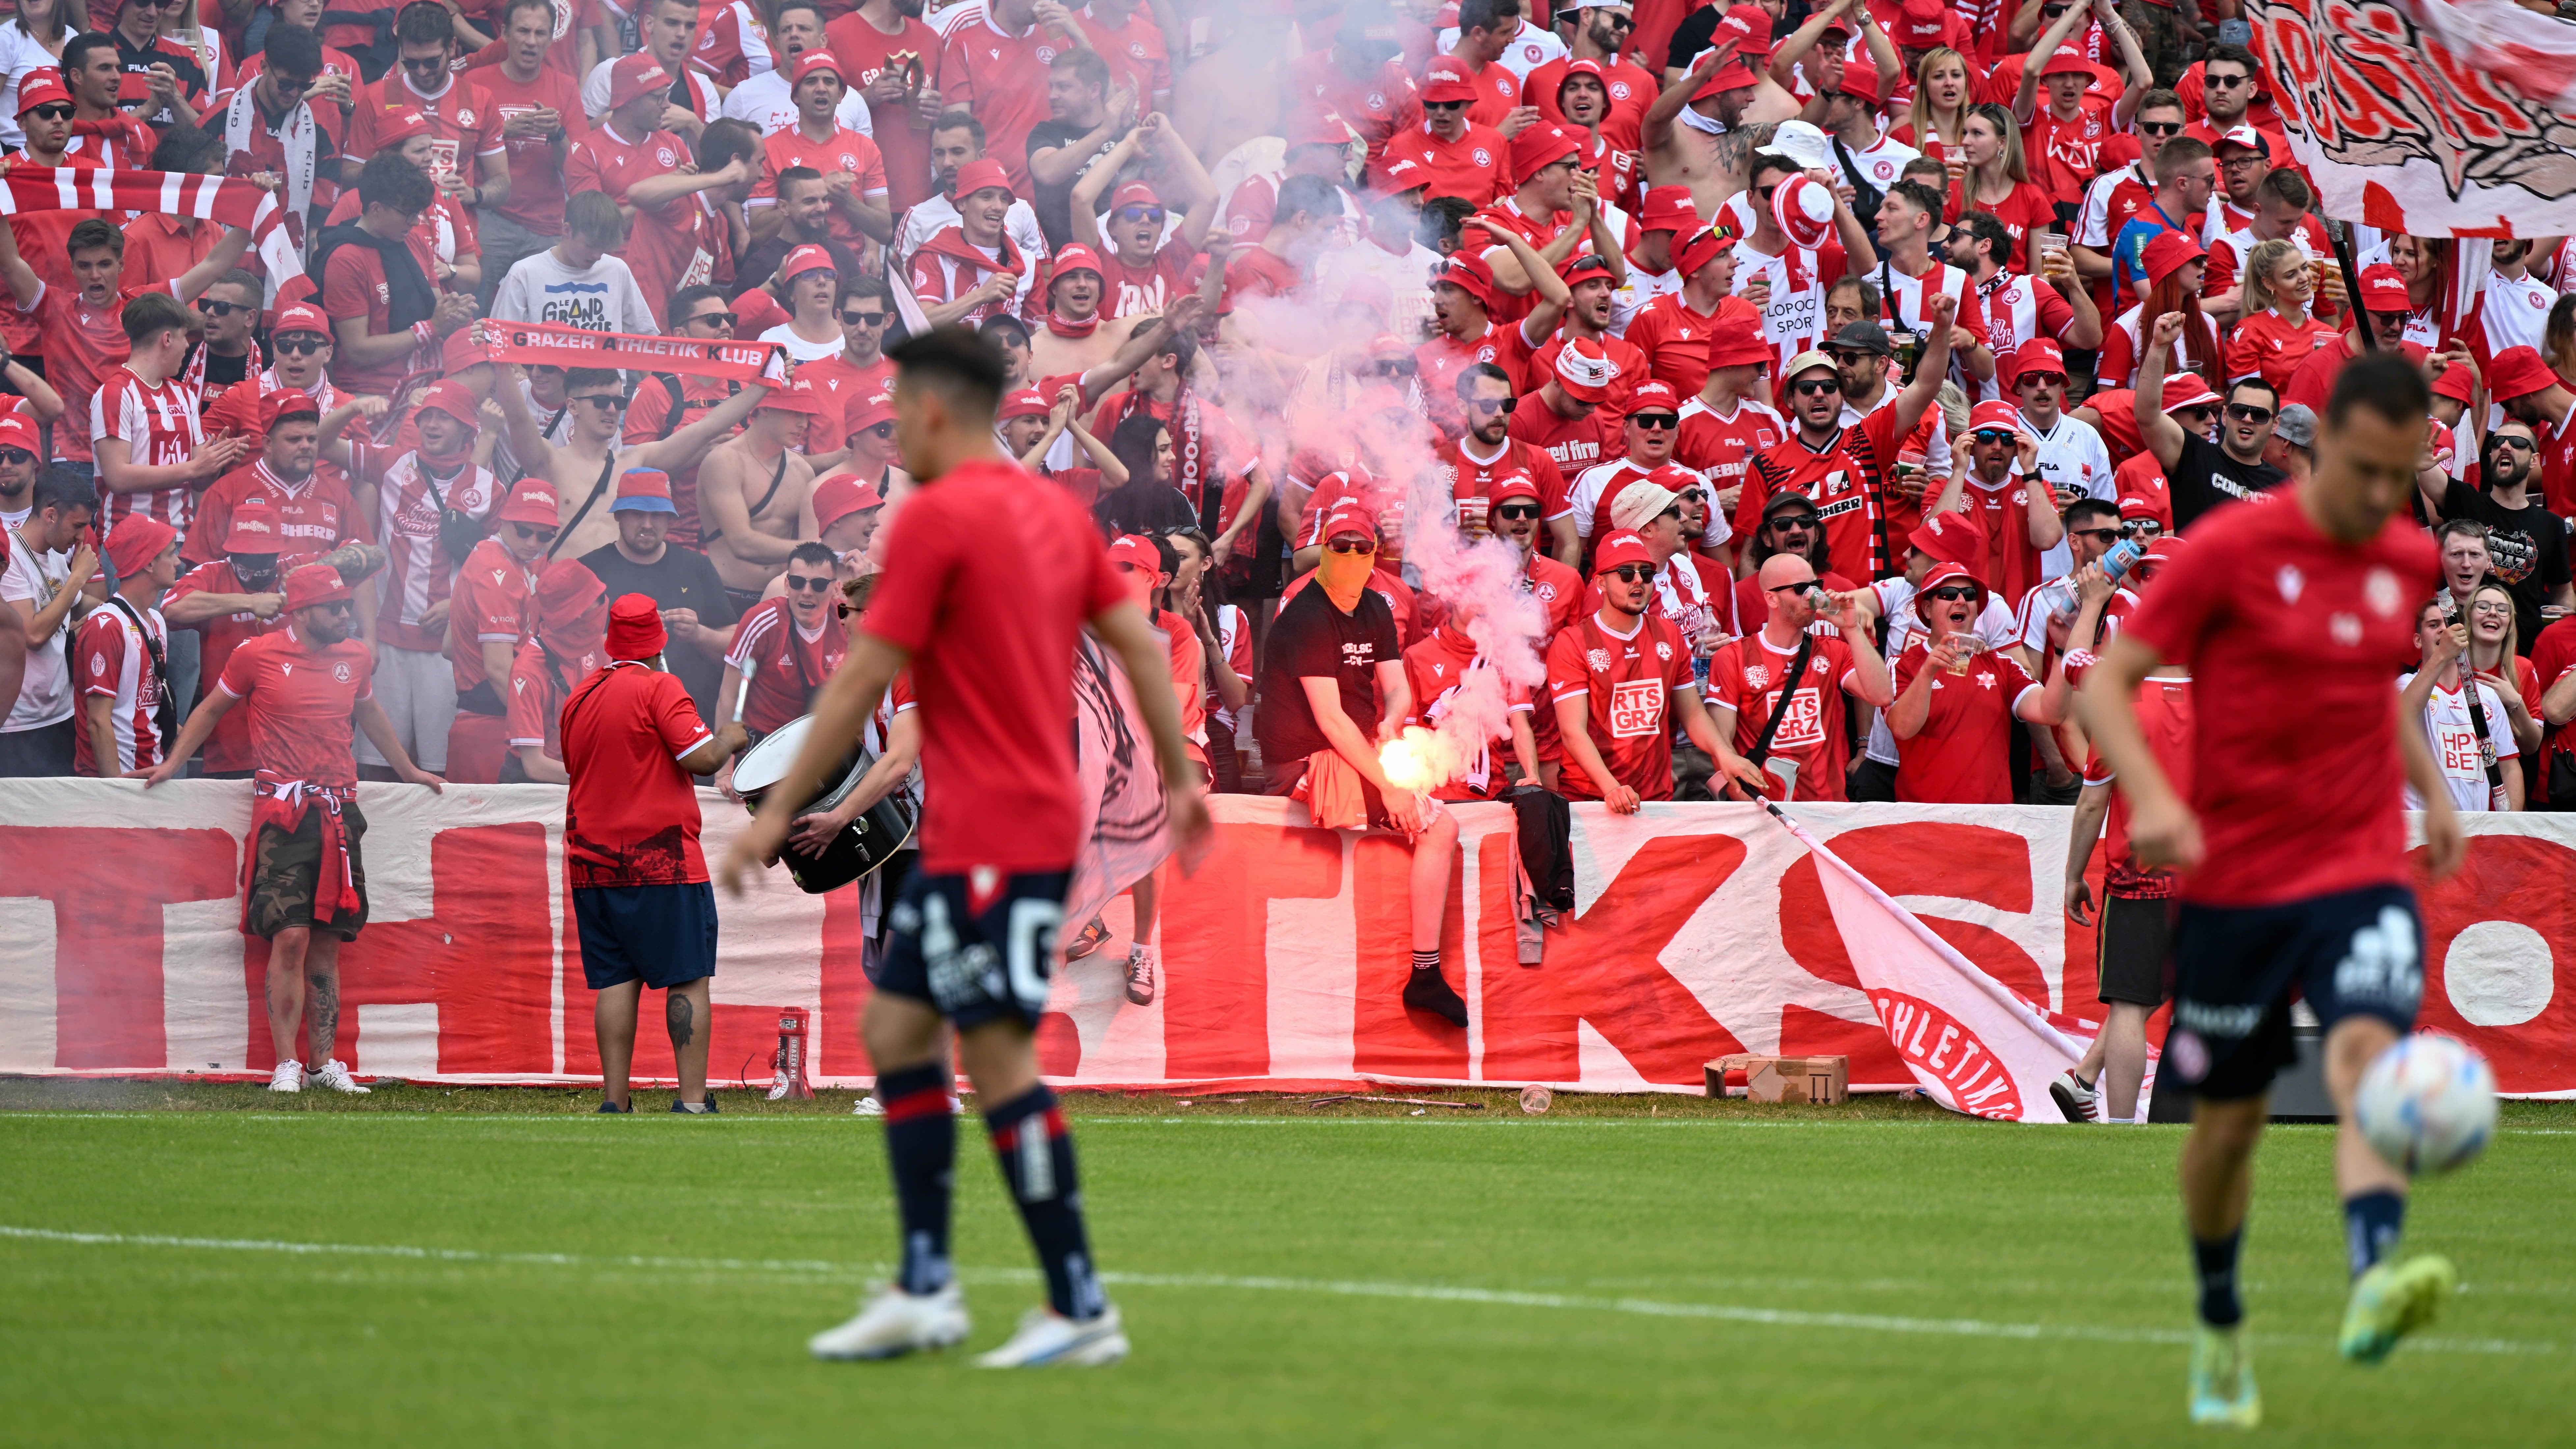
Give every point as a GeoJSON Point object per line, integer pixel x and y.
{"type": "Point", "coordinates": [287, 870]}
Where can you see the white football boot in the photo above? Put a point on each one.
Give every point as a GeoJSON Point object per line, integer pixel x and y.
{"type": "Point", "coordinates": [895, 1323]}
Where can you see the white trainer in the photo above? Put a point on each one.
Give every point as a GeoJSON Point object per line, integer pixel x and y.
{"type": "Point", "coordinates": [289, 1077]}
{"type": "Point", "coordinates": [2078, 1102]}
{"type": "Point", "coordinates": [1142, 969]}
{"type": "Point", "coordinates": [335, 1075]}
{"type": "Point", "coordinates": [867, 1106]}
{"type": "Point", "coordinates": [895, 1323]}
{"type": "Point", "coordinates": [1048, 1338]}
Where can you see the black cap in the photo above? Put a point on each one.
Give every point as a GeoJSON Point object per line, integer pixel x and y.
{"type": "Point", "coordinates": [1784, 500]}
{"type": "Point", "coordinates": [1864, 337]}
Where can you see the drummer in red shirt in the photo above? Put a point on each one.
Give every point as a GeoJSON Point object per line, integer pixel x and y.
{"type": "Point", "coordinates": [640, 897]}
{"type": "Point", "coordinates": [304, 885]}
{"type": "Point", "coordinates": [1956, 701]}
{"type": "Point", "coordinates": [1617, 679]}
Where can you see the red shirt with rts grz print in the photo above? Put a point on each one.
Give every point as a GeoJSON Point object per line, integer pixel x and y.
{"type": "Point", "coordinates": [1629, 683]}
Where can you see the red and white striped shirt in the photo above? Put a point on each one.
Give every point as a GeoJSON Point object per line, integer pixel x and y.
{"type": "Point", "coordinates": [417, 574]}
{"type": "Point", "coordinates": [784, 663]}
{"type": "Point", "coordinates": [161, 425]}
{"type": "Point", "coordinates": [112, 659]}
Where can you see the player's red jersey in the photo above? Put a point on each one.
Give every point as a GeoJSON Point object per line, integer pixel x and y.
{"type": "Point", "coordinates": [988, 578]}
{"type": "Point", "coordinates": [536, 180]}
{"type": "Point", "coordinates": [316, 515]}
{"type": "Point", "coordinates": [1439, 361]}
{"type": "Point", "coordinates": [1629, 682]}
{"type": "Point", "coordinates": [110, 659]}
{"type": "Point", "coordinates": [539, 685]}
{"type": "Point", "coordinates": [1721, 447]}
{"type": "Point", "coordinates": [1169, 275]}
{"type": "Point", "coordinates": [784, 663]}
{"type": "Point", "coordinates": [2164, 716]}
{"type": "Point", "coordinates": [82, 345]}
{"type": "Point", "coordinates": [2012, 566]}
{"type": "Point", "coordinates": [299, 700]}
{"type": "Point", "coordinates": [2065, 156]}
{"type": "Point", "coordinates": [729, 42]}
{"type": "Point", "coordinates": [1748, 676]}
{"type": "Point", "coordinates": [1559, 590]}
{"type": "Point", "coordinates": [631, 816]}
{"type": "Point", "coordinates": [493, 601]}
{"type": "Point", "coordinates": [1961, 755]}
{"type": "Point", "coordinates": [1365, 489]}
{"type": "Point", "coordinates": [603, 160]}
{"type": "Point", "coordinates": [1847, 482]}
{"type": "Point", "coordinates": [418, 573]}
{"type": "Point", "coordinates": [463, 126]}
{"type": "Point", "coordinates": [1674, 336]}
{"type": "Point", "coordinates": [160, 426]}
{"type": "Point", "coordinates": [2291, 628]}
{"type": "Point", "coordinates": [1472, 480]}
{"type": "Point", "coordinates": [228, 748]}
{"type": "Point", "coordinates": [1135, 50]}
{"type": "Point", "coordinates": [1436, 668]}
{"type": "Point", "coordinates": [686, 243]}
{"type": "Point", "coordinates": [1376, 107]}
{"type": "Point", "coordinates": [43, 239]}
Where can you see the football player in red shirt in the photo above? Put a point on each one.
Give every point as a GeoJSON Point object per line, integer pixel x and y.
{"type": "Point", "coordinates": [1617, 679]}
{"type": "Point", "coordinates": [1749, 675]}
{"type": "Point", "coordinates": [2292, 846]}
{"type": "Point", "coordinates": [989, 576]}
{"type": "Point", "coordinates": [304, 886]}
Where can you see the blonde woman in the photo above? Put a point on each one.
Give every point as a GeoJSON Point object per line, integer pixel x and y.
{"type": "Point", "coordinates": [1993, 177]}
{"type": "Point", "coordinates": [33, 37]}
{"type": "Point", "coordinates": [1941, 91]}
{"type": "Point", "coordinates": [180, 27]}
{"type": "Point", "coordinates": [2274, 332]}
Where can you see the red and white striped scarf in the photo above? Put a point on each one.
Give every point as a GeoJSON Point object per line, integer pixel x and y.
{"type": "Point", "coordinates": [229, 201]}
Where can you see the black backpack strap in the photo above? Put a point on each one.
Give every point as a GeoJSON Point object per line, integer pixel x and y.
{"type": "Point", "coordinates": [776, 477]}
{"type": "Point", "coordinates": [1761, 750]}
{"type": "Point", "coordinates": [165, 717]}
{"type": "Point", "coordinates": [672, 388]}
{"type": "Point", "coordinates": [596, 489]}
{"type": "Point", "coordinates": [2478, 722]}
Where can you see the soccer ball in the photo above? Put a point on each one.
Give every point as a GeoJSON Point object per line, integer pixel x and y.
{"type": "Point", "coordinates": [2428, 1104]}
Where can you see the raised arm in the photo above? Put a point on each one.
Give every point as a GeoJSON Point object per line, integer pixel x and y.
{"type": "Point", "coordinates": [1085, 202]}
{"type": "Point", "coordinates": [2163, 435]}
{"type": "Point", "coordinates": [2137, 79]}
{"type": "Point", "coordinates": [225, 255]}
{"type": "Point", "coordinates": [1930, 367]}
{"type": "Point", "coordinates": [2026, 99]}
{"type": "Point", "coordinates": [1655, 130]}
{"type": "Point", "coordinates": [682, 447]}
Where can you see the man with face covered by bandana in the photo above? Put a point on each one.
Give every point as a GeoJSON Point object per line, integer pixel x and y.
{"type": "Point", "coordinates": [572, 625]}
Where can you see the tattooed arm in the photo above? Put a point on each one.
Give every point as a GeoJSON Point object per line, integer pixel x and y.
{"type": "Point", "coordinates": [355, 559]}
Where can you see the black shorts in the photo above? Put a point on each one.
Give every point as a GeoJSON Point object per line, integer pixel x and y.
{"type": "Point", "coordinates": [975, 962]}
{"type": "Point", "coordinates": [2237, 969]}
{"type": "Point", "coordinates": [2136, 949]}
{"type": "Point", "coordinates": [661, 935]}
{"type": "Point", "coordinates": [286, 872]}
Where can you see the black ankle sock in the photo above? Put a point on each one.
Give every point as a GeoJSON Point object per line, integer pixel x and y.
{"type": "Point", "coordinates": [1036, 1154]}
{"type": "Point", "coordinates": [1428, 991]}
{"type": "Point", "coordinates": [2372, 1223]}
{"type": "Point", "coordinates": [921, 1145]}
{"type": "Point", "coordinates": [2216, 1262]}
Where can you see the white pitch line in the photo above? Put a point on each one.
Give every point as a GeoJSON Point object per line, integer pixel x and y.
{"type": "Point", "coordinates": [1412, 1292]}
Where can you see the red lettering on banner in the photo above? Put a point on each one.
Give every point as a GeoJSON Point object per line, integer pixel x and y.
{"type": "Point", "coordinates": [1601, 968]}
{"type": "Point", "coordinates": [107, 928]}
{"type": "Point", "coordinates": [834, 1043]}
{"type": "Point", "coordinates": [1932, 1040]}
{"type": "Point", "coordinates": [1385, 1038]}
{"type": "Point", "coordinates": [1216, 944]}
{"type": "Point", "coordinates": [1968, 862]}
{"type": "Point", "coordinates": [483, 957]}
{"type": "Point", "coordinates": [2522, 881]}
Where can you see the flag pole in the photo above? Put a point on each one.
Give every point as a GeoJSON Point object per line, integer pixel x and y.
{"type": "Point", "coordinates": [2341, 240]}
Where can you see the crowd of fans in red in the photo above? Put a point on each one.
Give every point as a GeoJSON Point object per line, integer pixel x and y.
{"type": "Point", "coordinates": [1836, 370]}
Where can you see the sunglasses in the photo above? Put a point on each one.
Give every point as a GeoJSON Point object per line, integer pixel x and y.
{"type": "Point", "coordinates": [863, 319]}
{"type": "Point", "coordinates": [15, 456]}
{"type": "Point", "coordinates": [2161, 128]}
{"type": "Point", "coordinates": [607, 402]}
{"type": "Point", "coordinates": [2043, 379]}
{"type": "Point", "coordinates": [213, 308]}
{"type": "Point", "coordinates": [881, 431]}
{"type": "Point", "coordinates": [2200, 414]}
{"type": "Point", "coordinates": [2223, 82]}
{"type": "Point", "coordinates": [425, 64]}
{"type": "Point", "coordinates": [1508, 510]}
{"type": "Point", "coordinates": [1799, 587]}
{"type": "Point", "coordinates": [1404, 367]}
{"type": "Point", "coordinates": [2143, 527]}
{"type": "Point", "coordinates": [1690, 495]}
{"type": "Point", "coordinates": [1631, 573]}
{"type": "Point", "coordinates": [541, 535]}
{"type": "Point", "coordinates": [1620, 22]}
{"type": "Point", "coordinates": [820, 586]}
{"type": "Point", "coordinates": [1815, 387]}
{"type": "Point", "coordinates": [2519, 445]}
{"type": "Point", "coordinates": [1953, 594]}
{"type": "Point", "coordinates": [2246, 413]}
{"type": "Point", "coordinates": [2106, 535]}
{"type": "Point", "coordinates": [712, 319]}
{"type": "Point", "coordinates": [844, 610]}
{"type": "Point", "coordinates": [291, 85]}
{"type": "Point", "coordinates": [301, 343]}
{"type": "Point", "coordinates": [1353, 545]}
{"type": "Point", "coordinates": [1134, 214]}
{"type": "Point", "coordinates": [1490, 405]}
{"type": "Point", "coordinates": [1800, 521]}
{"type": "Point", "coordinates": [1656, 422]}
{"type": "Point", "coordinates": [1991, 437]}
{"type": "Point", "coordinates": [1850, 359]}
{"type": "Point", "coordinates": [52, 111]}
{"type": "Point", "coordinates": [1444, 105]}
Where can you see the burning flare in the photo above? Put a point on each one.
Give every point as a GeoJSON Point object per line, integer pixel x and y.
{"type": "Point", "coordinates": [1420, 759]}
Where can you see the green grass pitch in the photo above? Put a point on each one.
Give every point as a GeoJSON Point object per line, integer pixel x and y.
{"type": "Point", "coordinates": [503, 1268]}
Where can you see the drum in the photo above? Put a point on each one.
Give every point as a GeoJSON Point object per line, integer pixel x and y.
{"type": "Point", "coordinates": [863, 845]}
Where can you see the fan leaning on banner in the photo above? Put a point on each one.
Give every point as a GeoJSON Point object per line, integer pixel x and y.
{"type": "Point", "coordinates": [304, 884]}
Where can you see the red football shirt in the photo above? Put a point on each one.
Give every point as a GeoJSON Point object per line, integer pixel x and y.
{"type": "Point", "coordinates": [1629, 682]}
{"type": "Point", "coordinates": [685, 243]}
{"type": "Point", "coordinates": [2012, 566]}
{"type": "Point", "coordinates": [1471, 480]}
{"type": "Point", "coordinates": [631, 815]}
{"type": "Point", "coordinates": [843, 150]}
{"type": "Point", "coordinates": [353, 284]}
{"type": "Point", "coordinates": [537, 192]}
{"type": "Point", "coordinates": [418, 574]}
{"type": "Point", "coordinates": [299, 700]}
{"type": "Point", "coordinates": [314, 516]}
{"type": "Point", "coordinates": [1003, 80]}
{"type": "Point", "coordinates": [1674, 336]}
{"type": "Point", "coordinates": [1722, 446]}
{"type": "Point", "coordinates": [989, 576]}
{"type": "Point", "coordinates": [1573, 444]}
{"type": "Point", "coordinates": [1748, 676]}
{"type": "Point", "coordinates": [603, 160]}
{"type": "Point", "coordinates": [1174, 272]}
{"type": "Point", "coordinates": [492, 601]}
{"type": "Point", "coordinates": [108, 658]}
{"type": "Point", "coordinates": [1476, 168]}
{"type": "Point", "coordinates": [2065, 156]}
{"type": "Point", "coordinates": [82, 344]}
{"type": "Point", "coordinates": [1437, 668]}
{"type": "Point", "coordinates": [463, 126]}
{"type": "Point", "coordinates": [1961, 756]}
{"type": "Point", "coordinates": [868, 52]}
{"type": "Point", "coordinates": [784, 663]}
{"type": "Point", "coordinates": [1377, 107]}
{"type": "Point", "coordinates": [1845, 499]}
{"type": "Point", "coordinates": [160, 424]}
{"type": "Point", "coordinates": [1438, 362]}
{"type": "Point", "coordinates": [43, 242]}
{"type": "Point", "coordinates": [2292, 630]}
{"type": "Point", "coordinates": [228, 748]}
{"type": "Point", "coordinates": [537, 694]}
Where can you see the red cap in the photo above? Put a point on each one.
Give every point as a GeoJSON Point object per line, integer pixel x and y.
{"type": "Point", "coordinates": [2167, 253]}
{"type": "Point", "coordinates": [565, 592]}
{"type": "Point", "coordinates": [2067, 59]}
{"type": "Point", "coordinates": [633, 76]}
{"type": "Point", "coordinates": [1511, 485]}
{"type": "Point", "coordinates": [1446, 79]}
{"type": "Point", "coordinates": [398, 126]}
{"type": "Point", "coordinates": [635, 628]}
{"type": "Point", "coordinates": [452, 398]}
{"type": "Point", "coordinates": [1946, 573]}
{"type": "Point", "coordinates": [1576, 270]}
{"type": "Point", "coordinates": [1711, 243]}
{"type": "Point", "coordinates": [1804, 211]}
{"type": "Point", "coordinates": [841, 495]}
{"type": "Point", "coordinates": [1137, 549]}
{"type": "Point", "coordinates": [1619, 546]}
{"type": "Point", "coordinates": [814, 60]}
{"type": "Point", "coordinates": [458, 353]}
{"type": "Point", "coordinates": [1316, 128]}
{"type": "Point", "coordinates": [137, 541]}
{"type": "Point", "coordinates": [2383, 290]}
{"type": "Point", "coordinates": [805, 259]}
{"type": "Point", "coordinates": [1134, 193]}
{"type": "Point", "coordinates": [1920, 24]}
{"type": "Point", "coordinates": [1026, 403]}
{"type": "Point", "coordinates": [2138, 505]}
{"type": "Point", "coordinates": [315, 583]}
{"type": "Point", "coordinates": [796, 395]}
{"type": "Point", "coordinates": [1467, 269]}
{"type": "Point", "coordinates": [1737, 341]}
{"type": "Point", "coordinates": [304, 317]}
{"type": "Point", "coordinates": [1591, 68]}
{"type": "Point", "coordinates": [2454, 383]}
{"type": "Point", "coordinates": [2166, 548]}
{"type": "Point", "coordinates": [1860, 78]}
{"type": "Point", "coordinates": [2515, 372]}
{"type": "Point", "coordinates": [2186, 390]}
{"type": "Point", "coordinates": [17, 430]}
{"type": "Point", "coordinates": [1735, 75]}
{"type": "Point", "coordinates": [1541, 146]}
{"type": "Point", "coordinates": [862, 413]}
{"type": "Point", "coordinates": [981, 174]}
{"type": "Point", "coordinates": [44, 84]}
{"type": "Point", "coordinates": [1648, 396]}
{"type": "Point", "coordinates": [1585, 371]}
{"type": "Point", "coordinates": [1348, 517]}
{"type": "Point", "coordinates": [1749, 26]}
{"type": "Point", "coordinates": [1996, 415]}
{"type": "Point", "coordinates": [283, 404]}
{"type": "Point", "coordinates": [1075, 257]}
{"type": "Point", "coordinates": [2039, 355]}
{"type": "Point", "coordinates": [1948, 537]}
{"type": "Point", "coordinates": [1399, 176]}
{"type": "Point", "coordinates": [643, 490]}
{"type": "Point", "coordinates": [254, 527]}
{"type": "Point", "coordinates": [2246, 137]}
{"type": "Point", "coordinates": [533, 501]}
{"type": "Point", "coordinates": [1668, 208]}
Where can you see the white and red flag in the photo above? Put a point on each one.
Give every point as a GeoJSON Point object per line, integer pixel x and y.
{"type": "Point", "coordinates": [229, 201]}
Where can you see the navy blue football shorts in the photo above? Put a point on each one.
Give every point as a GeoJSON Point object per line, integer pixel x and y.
{"type": "Point", "coordinates": [2238, 968]}
{"type": "Point", "coordinates": [976, 958]}
{"type": "Point", "coordinates": [661, 935]}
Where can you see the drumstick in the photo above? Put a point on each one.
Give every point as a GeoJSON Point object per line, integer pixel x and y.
{"type": "Point", "coordinates": [742, 691]}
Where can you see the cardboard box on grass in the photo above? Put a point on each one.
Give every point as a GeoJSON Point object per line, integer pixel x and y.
{"type": "Point", "coordinates": [1784, 1079]}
